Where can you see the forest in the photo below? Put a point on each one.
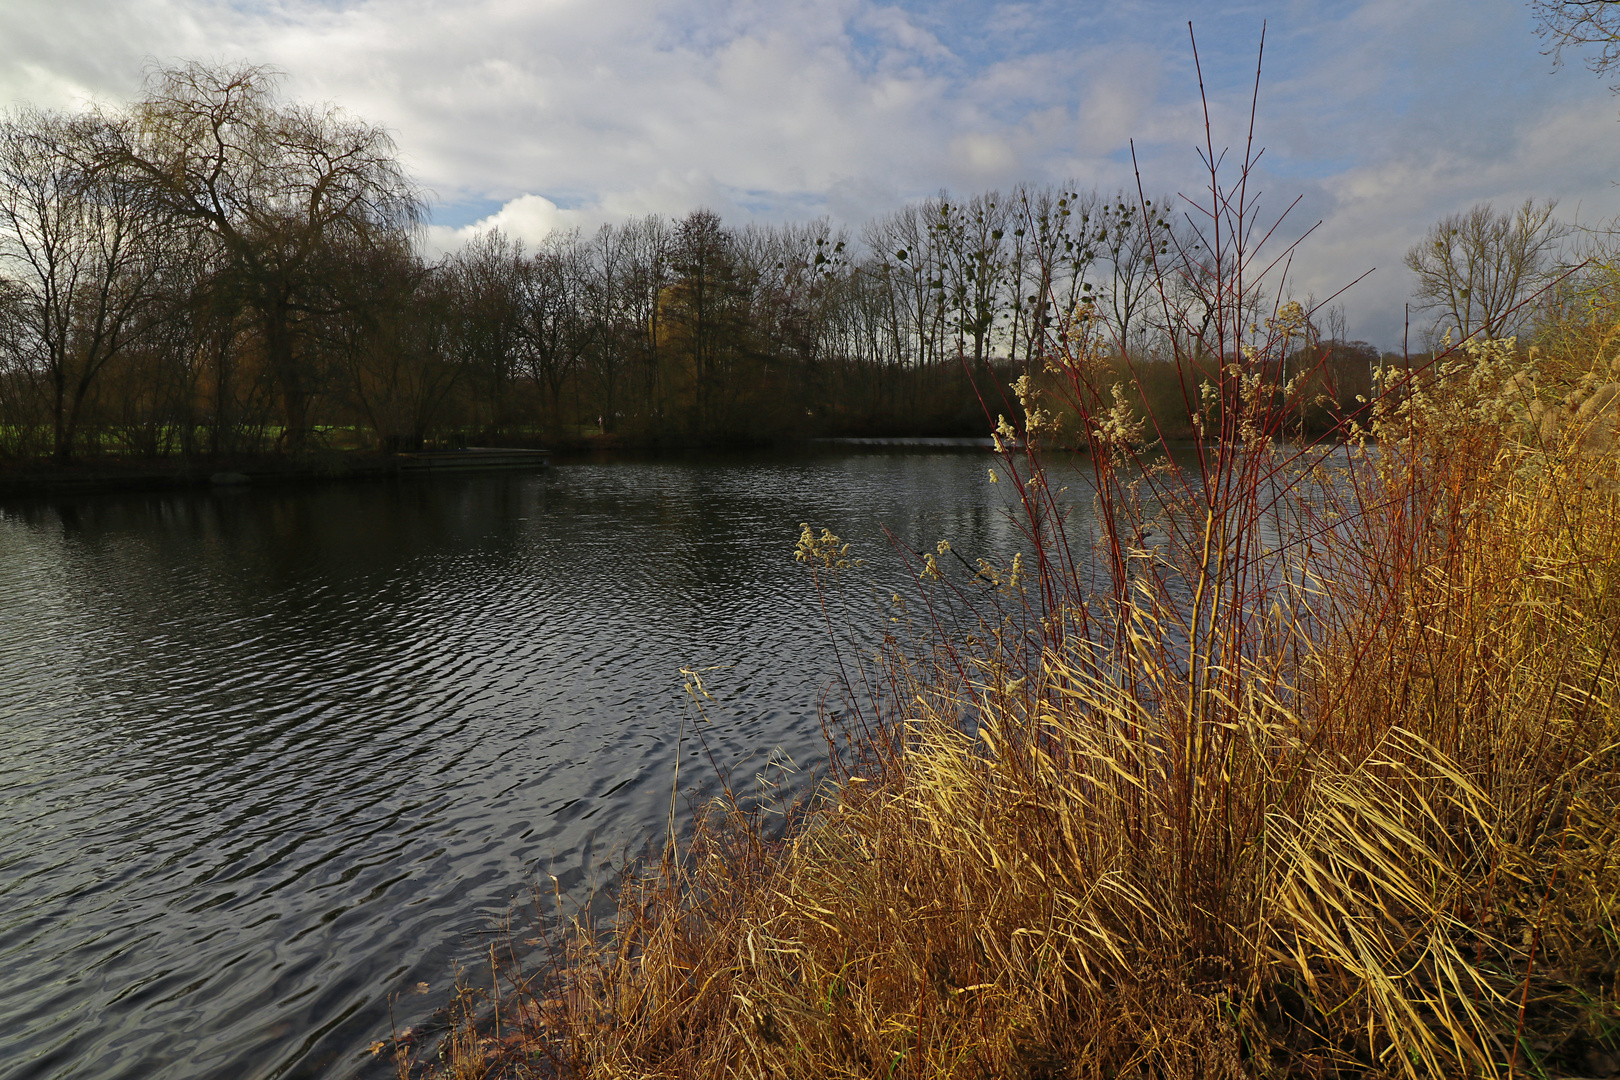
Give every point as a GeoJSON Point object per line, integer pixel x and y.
{"type": "Point", "coordinates": [215, 270]}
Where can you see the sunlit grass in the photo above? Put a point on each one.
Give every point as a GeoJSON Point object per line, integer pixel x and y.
{"type": "Point", "coordinates": [1293, 771]}
{"type": "Point", "coordinates": [1394, 854]}
{"type": "Point", "coordinates": [1362, 818]}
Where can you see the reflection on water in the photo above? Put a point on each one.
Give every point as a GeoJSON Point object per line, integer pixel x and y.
{"type": "Point", "coordinates": [271, 757]}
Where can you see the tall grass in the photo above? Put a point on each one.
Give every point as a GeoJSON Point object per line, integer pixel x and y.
{"type": "Point", "coordinates": [1302, 764]}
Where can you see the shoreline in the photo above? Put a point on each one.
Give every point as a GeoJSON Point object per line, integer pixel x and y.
{"type": "Point", "coordinates": [36, 477]}
{"type": "Point", "coordinates": [44, 477]}
{"type": "Point", "coordinates": [30, 478]}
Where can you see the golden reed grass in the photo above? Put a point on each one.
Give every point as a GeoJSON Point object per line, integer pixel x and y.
{"type": "Point", "coordinates": [1305, 764]}
{"type": "Point", "coordinates": [1249, 814]}
{"type": "Point", "coordinates": [1370, 829]}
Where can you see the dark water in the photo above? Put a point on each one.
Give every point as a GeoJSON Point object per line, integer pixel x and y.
{"type": "Point", "coordinates": [269, 759]}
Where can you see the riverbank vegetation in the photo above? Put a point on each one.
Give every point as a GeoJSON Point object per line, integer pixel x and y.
{"type": "Point", "coordinates": [1301, 762]}
{"type": "Point", "coordinates": [216, 271]}
{"type": "Point", "coordinates": [1247, 813]}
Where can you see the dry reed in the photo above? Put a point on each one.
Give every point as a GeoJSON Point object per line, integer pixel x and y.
{"type": "Point", "coordinates": [1385, 843]}
{"type": "Point", "coordinates": [1306, 767]}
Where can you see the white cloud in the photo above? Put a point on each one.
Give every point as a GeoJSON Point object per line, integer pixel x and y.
{"type": "Point", "coordinates": [529, 218]}
{"type": "Point", "coordinates": [534, 115]}
{"type": "Point", "coordinates": [987, 158]}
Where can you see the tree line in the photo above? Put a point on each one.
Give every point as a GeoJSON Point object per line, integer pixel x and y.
{"type": "Point", "coordinates": [215, 270]}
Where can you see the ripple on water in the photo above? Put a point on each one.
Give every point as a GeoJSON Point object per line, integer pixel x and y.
{"type": "Point", "coordinates": [269, 759]}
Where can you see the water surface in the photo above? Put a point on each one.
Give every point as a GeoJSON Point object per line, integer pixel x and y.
{"type": "Point", "coordinates": [272, 758]}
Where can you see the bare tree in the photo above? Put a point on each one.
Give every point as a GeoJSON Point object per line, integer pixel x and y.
{"type": "Point", "coordinates": [608, 263]}
{"type": "Point", "coordinates": [1578, 24]}
{"type": "Point", "coordinates": [912, 258]}
{"type": "Point", "coordinates": [1063, 243]}
{"type": "Point", "coordinates": [553, 317]}
{"type": "Point", "coordinates": [706, 316]}
{"type": "Point", "coordinates": [81, 244]}
{"type": "Point", "coordinates": [975, 269]}
{"type": "Point", "coordinates": [1477, 270]}
{"type": "Point", "coordinates": [647, 244]}
{"type": "Point", "coordinates": [1136, 238]}
{"type": "Point", "coordinates": [796, 271]}
{"type": "Point", "coordinates": [490, 278]}
{"type": "Point", "coordinates": [286, 189]}
{"type": "Point", "coordinates": [19, 386]}
{"type": "Point", "coordinates": [396, 350]}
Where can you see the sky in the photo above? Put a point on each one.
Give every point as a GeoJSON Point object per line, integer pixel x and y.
{"type": "Point", "coordinates": [1378, 116]}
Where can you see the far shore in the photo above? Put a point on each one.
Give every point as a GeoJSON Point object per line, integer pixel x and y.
{"type": "Point", "coordinates": [46, 476]}
{"type": "Point", "coordinates": [30, 477]}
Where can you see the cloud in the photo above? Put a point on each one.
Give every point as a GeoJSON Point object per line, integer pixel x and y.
{"type": "Point", "coordinates": [534, 115]}
{"type": "Point", "coordinates": [983, 157]}
{"type": "Point", "coordinates": [529, 218]}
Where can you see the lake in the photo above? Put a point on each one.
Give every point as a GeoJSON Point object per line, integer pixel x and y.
{"type": "Point", "coordinates": [272, 758]}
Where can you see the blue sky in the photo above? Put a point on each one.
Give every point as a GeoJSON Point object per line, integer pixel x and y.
{"type": "Point", "coordinates": [1380, 115]}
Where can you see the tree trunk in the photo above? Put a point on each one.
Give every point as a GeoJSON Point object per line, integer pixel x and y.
{"type": "Point", "coordinates": [61, 435]}
{"type": "Point", "coordinates": [221, 386]}
{"type": "Point", "coordinates": [284, 364]}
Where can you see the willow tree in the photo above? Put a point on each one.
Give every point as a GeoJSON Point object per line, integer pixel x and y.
{"type": "Point", "coordinates": [295, 196]}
